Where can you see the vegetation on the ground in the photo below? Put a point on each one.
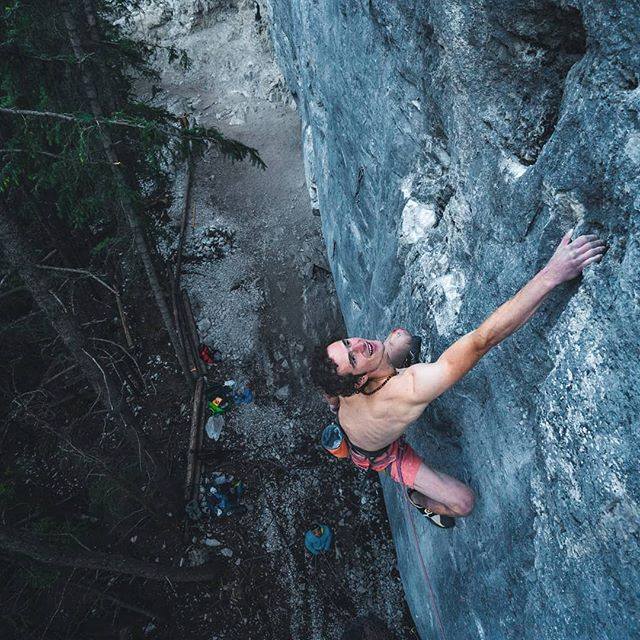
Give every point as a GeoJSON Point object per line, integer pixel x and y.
{"type": "Point", "coordinates": [88, 454]}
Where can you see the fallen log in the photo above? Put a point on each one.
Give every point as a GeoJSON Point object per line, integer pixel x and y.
{"type": "Point", "coordinates": [195, 439]}
{"type": "Point", "coordinates": [37, 547]}
{"type": "Point", "coordinates": [192, 330]}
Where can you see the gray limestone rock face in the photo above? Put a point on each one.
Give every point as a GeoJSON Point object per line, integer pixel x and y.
{"type": "Point", "coordinates": [449, 145]}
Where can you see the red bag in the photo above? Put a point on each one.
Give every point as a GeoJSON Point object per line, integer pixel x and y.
{"type": "Point", "coordinates": [207, 354]}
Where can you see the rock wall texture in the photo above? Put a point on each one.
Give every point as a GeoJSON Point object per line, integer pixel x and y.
{"type": "Point", "coordinates": [448, 146]}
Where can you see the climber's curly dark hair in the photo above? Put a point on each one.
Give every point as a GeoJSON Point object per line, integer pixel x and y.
{"type": "Point", "coordinates": [324, 374]}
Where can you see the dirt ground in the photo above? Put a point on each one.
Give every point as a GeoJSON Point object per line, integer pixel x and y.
{"type": "Point", "coordinates": [263, 295]}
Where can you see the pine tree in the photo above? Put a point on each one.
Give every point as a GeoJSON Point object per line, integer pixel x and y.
{"type": "Point", "coordinates": [85, 169]}
{"type": "Point", "coordinates": [67, 104]}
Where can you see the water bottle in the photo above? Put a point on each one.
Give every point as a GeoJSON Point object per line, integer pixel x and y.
{"type": "Point", "coordinates": [214, 426]}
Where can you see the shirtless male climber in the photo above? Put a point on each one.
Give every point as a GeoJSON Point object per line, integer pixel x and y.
{"type": "Point", "coordinates": [376, 400]}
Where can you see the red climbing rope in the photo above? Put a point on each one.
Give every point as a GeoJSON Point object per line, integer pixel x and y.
{"type": "Point", "coordinates": [410, 508]}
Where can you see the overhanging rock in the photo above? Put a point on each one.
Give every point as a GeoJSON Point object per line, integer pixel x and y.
{"type": "Point", "coordinates": [494, 127]}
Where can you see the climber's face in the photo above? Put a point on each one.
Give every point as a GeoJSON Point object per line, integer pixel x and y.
{"type": "Point", "coordinates": [356, 356]}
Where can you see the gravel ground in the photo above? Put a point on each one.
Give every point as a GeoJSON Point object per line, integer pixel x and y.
{"type": "Point", "coordinates": [262, 295]}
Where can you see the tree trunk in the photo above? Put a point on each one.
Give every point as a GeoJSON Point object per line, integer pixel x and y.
{"type": "Point", "coordinates": [94, 35]}
{"type": "Point", "coordinates": [38, 548]}
{"type": "Point", "coordinates": [21, 258]}
{"type": "Point", "coordinates": [186, 206]}
{"type": "Point", "coordinates": [130, 214]}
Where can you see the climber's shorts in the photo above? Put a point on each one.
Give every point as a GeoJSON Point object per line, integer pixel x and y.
{"type": "Point", "coordinates": [399, 460]}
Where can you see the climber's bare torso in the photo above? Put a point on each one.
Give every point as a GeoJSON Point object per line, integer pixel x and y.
{"type": "Point", "coordinates": [373, 421]}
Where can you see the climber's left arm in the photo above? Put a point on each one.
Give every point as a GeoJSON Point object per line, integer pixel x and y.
{"type": "Point", "coordinates": [397, 345]}
{"type": "Point", "coordinates": [568, 261]}
{"type": "Point", "coordinates": [332, 401]}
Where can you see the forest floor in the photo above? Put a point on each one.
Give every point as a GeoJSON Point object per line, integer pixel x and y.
{"type": "Point", "coordinates": [262, 294]}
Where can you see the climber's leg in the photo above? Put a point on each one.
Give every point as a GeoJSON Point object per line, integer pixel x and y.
{"type": "Point", "coordinates": [441, 493]}
{"type": "Point", "coordinates": [442, 497]}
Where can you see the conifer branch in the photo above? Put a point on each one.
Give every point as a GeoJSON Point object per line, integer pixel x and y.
{"type": "Point", "coordinates": [235, 149]}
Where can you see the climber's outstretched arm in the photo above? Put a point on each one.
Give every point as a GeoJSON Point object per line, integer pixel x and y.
{"type": "Point", "coordinates": [568, 261]}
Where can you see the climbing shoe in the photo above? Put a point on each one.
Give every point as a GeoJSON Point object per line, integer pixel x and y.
{"type": "Point", "coordinates": [444, 522]}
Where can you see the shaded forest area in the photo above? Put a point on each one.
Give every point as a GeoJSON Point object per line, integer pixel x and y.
{"type": "Point", "coordinates": [97, 373]}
